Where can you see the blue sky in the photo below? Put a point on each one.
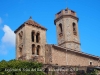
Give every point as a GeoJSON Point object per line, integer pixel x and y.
{"type": "Point", "coordinates": [15, 12]}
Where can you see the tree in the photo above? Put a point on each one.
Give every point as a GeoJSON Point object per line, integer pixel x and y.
{"type": "Point", "coordinates": [18, 67]}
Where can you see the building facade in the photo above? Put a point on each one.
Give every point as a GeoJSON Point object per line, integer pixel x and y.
{"type": "Point", "coordinates": [31, 42]}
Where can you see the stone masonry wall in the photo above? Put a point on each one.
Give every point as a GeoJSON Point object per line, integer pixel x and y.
{"type": "Point", "coordinates": [63, 57]}
{"type": "Point", "coordinates": [20, 43]}
{"type": "Point", "coordinates": [81, 60]}
{"type": "Point", "coordinates": [48, 57]}
{"type": "Point", "coordinates": [58, 57]}
{"type": "Point", "coordinates": [28, 41]}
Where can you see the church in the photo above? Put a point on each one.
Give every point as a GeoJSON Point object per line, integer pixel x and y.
{"type": "Point", "coordinates": [31, 42]}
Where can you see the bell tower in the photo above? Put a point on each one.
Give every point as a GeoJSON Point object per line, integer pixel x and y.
{"type": "Point", "coordinates": [30, 41]}
{"type": "Point", "coordinates": [66, 23]}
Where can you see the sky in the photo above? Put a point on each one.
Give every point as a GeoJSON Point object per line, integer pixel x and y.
{"type": "Point", "coordinates": [15, 12]}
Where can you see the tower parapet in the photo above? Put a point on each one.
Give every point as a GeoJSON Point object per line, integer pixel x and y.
{"type": "Point", "coordinates": [65, 12]}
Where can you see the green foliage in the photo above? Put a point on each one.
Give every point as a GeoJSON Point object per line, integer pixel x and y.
{"type": "Point", "coordinates": [53, 73]}
{"type": "Point", "coordinates": [18, 67]}
{"type": "Point", "coordinates": [92, 73]}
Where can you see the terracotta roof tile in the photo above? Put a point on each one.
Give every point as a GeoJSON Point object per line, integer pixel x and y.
{"type": "Point", "coordinates": [31, 22]}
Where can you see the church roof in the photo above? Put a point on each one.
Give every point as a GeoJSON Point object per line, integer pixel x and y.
{"type": "Point", "coordinates": [32, 23]}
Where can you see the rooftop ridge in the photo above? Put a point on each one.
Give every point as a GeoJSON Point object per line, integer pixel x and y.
{"type": "Point", "coordinates": [30, 22]}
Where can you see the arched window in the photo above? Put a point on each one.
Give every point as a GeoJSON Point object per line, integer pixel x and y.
{"type": "Point", "coordinates": [20, 36]}
{"type": "Point", "coordinates": [33, 49]}
{"type": "Point", "coordinates": [91, 63]}
{"type": "Point", "coordinates": [38, 37]}
{"type": "Point", "coordinates": [20, 51]}
{"type": "Point", "coordinates": [74, 29]}
{"type": "Point", "coordinates": [32, 35]}
{"type": "Point", "coordinates": [60, 27]}
{"type": "Point", "coordinates": [38, 50]}
{"type": "Point", "coordinates": [21, 33]}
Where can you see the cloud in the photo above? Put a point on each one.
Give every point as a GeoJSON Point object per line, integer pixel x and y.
{"type": "Point", "coordinates": [0, 20]}
{"type": "Point", "coordinates": [7, 41]}
{"type": "Point", "coordinates": [9, 35]}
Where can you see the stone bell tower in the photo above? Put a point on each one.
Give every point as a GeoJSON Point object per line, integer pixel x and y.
{"type": "Point", "coordinates": [66, 23]}
{"type": "Point", "coordinates": [30, 41]}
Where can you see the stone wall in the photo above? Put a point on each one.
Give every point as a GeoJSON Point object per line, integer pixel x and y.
{"type": "Point", "coordinates": [27, 42]}
{"type": "Point", "coordinates": [58, 56]}
{"type": "Point", "coordinates": [20, 43]}
{"type": "Point", "coordinates": [79, 59]}
{"type": "Point", "coordinates": [48, 56]}
{"type": "Point", "coordinates": [62, 56]}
